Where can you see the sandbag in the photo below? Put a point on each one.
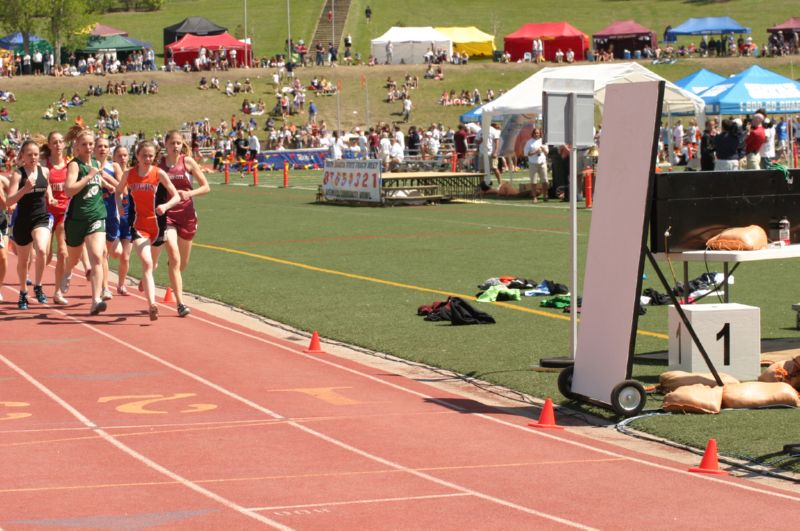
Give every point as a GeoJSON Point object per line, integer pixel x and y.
{"type": "Point", "coordinates": [671, 380]}
{"type": "Point", "coordinates": [758, 394]}
{"type": "Point", "coordinates": [787, 371]}
{"type": "Point", "coordinates": [750, 238]}
{"type": "Point", "coordinates": [697, 398]}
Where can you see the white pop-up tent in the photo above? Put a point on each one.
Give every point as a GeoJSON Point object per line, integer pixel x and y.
{"type": "Point", "coordinates": [526, 97]}
{"type": "Point", "coordinates": [409, 45]}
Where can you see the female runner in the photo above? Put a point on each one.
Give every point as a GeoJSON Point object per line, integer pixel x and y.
{"type": "Point", "coordinates": [85, 223]}
{"type": "Point", "coordinates": [141, 182]}
{"type": "Point", "coordinates": [121, 155]}
{"type": "Point", "coordinates": [112, 175]}
{"type": "Point", "coordinates": [182, 218]}
{"type": "Point", "coordinates": [30, 191]}
{"type": "Point", "coordinates": [3, 232]}
{"type": "Point", "coordinates": [53, 153]}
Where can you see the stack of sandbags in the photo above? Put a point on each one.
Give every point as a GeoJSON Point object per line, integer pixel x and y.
{"type": "Point", "coordinates": [783, 371]}
{"type": "Point", "coordinates": [698, 393]}
{"type": "Point", "coordinates": [691, 392]}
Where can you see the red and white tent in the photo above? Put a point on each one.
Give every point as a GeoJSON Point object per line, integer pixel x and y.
{"type": "Point", "coordinates": [188, 47]}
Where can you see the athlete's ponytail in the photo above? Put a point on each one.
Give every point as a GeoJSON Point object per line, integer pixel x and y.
{"type": "Point", "coordinates": [77, 131]}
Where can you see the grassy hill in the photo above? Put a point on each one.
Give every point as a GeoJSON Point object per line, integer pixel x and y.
{"type": "Point", "coordinates": [179, 100]}
{"type": "Point", "coordinates": [268, 21]}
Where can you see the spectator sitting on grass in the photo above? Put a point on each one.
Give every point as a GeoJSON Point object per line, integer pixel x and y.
{"type": "Point", "coordinates": [203, 85]}
{"type": "Point", "coordinates": [4, 116]}
{"type": "Point", "coordinates": [7, 96]}
{"type": "Point", "coordinates": [50, 113]}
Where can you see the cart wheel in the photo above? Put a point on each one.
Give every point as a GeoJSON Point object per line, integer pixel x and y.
{"type": "Point", "coordinates": [565, 382]}
{"type": "Point", "coordinates": [628, 398]}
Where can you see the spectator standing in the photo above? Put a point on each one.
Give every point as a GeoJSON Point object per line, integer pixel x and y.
{"type": "Point", "coordinates": [782, 137]}
{"type": "Point", "coordinates": [726, 147]}
{"type": "Point", "coordinates": [460, 142]}
{"type": "Point", "coordinates": [407, 109]}
{"type": "Point", "coordinates": [254, 145]}
{"type": "Point", "coordinates": [389, 51]}
{"type": "Point", "coordinates": [368, 14]}
{"type": "Point", "coordinates": [767, 151]}
{"type": "Point", "coordinates": [753, 142]}
{"type": "Point", "coordinates": [707, 146]}
{"type": "Point", "coordinates": [536, 151]}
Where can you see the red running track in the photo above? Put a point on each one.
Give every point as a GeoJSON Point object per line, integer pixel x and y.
{"type": "Point", "coordinates": [198, 423]}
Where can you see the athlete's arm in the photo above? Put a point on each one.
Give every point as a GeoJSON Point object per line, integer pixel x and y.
{"type": "Point", "coordinates": [174, 198]}
{"type": "Point", "coordinates": [73, 185]}
{"type": "Point", "coordinates": [197, 173]}
{"type": "Point", "coordinates": [120, 191]}
{"type": "Point", "coordinates": [3, 196]}
{"type": "Point", "coordinates": [15, 191]}
{"type": "Point", "coordinates": [49, 194]}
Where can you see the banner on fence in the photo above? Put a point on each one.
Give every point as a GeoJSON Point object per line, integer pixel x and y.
{"type": "Point", "coordinates": [297, 159]}
{"type": "Point", "coordinates": [352, 180]}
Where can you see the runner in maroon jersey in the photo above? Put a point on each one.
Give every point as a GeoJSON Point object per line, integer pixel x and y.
{"type": "Point", "coordinates": [56, 163]}
{"type": "Point", "coordinates": [182, 218]}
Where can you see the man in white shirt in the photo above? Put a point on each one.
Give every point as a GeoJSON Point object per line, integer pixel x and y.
{"type": "Point", "coordinates": [493, 149]}
{"type": "Point", "coordinates": [254, 145]}
{"type": "Point", "coordinates": [385, 149]}
{"type": "Point", "coordinates": [407, 109]}
{"type": "Point", "coordinates": [395, 154]}
{"type": "Point", "coordinates": [536, 151]}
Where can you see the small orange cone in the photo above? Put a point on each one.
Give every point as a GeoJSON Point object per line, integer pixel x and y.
{"type": "Point", "coordinates": [168, 296]}
{"type": "Point", "coordinates": [314, 347]}
{"type": "Point", "coordinates": [547, 418]}
{"type": "Point", "coordinates": [709, 463]}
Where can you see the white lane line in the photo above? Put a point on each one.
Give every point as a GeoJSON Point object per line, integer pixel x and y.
{"type": "Point", "coordinates": [322, 436]}
{"type": "Point", "coordinates": [139, 457]}
{"type": "Point", "coordinates": [357, 502]}
{"type": "Point", "coordinates": [445, 403]}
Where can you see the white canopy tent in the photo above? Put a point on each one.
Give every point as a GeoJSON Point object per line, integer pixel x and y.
{"type": "Point", "coordinates": [526, 97]}
{"type": "Point", "coordinates": [409, 45]}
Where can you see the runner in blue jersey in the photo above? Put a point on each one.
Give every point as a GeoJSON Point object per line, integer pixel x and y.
{"type": "Point", "coordinates": [112, 173]}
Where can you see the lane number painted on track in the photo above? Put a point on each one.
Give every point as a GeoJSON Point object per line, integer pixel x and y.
{"type": "Point", "coordinates": [13, 415]}
{"type": "Point", "coordinates": [138, 404]}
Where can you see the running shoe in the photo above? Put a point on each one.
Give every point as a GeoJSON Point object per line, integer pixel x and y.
{"type": "Point", "coordinates": [106, 295]}
{"type": "Point", "coordinates": [122, 290]}
{"type": "Point", "coordinates": [23, 300]}
{"type": "Point", "coordinates": [153, 312]}
{"type": "Point", "coordinates": [183, 310]}
{"type": "Point", "coordinates": [58, 298]}
{"type": "Point", "coordinates": [98, 307]}
{"type": "Point", "coordinates": [40, 296]}
{"type": "Point", "coordinates": [65, 280]}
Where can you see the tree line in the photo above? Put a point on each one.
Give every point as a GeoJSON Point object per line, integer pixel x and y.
{"type": "Point", "coordinates": [61, 21]}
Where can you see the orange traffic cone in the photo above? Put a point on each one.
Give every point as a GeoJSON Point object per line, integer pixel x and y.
{"type": "Point", "coordinates": [168, 296]}
{"type": "Point", "coordinates": [709, 463]}
{"type": "Point", "coordinates": [547, 418]}
{"type": "Point", "coordinates": [314, 347]}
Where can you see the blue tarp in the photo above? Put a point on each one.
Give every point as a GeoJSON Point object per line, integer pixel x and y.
{"type": "Point", "coordinates": [706, 26]}
{"type": "Point", "coordinates": [753, 89]}
{"type": "Point", "coordinates": [700, 81]}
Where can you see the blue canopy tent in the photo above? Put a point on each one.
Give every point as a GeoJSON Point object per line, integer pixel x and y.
{"type": "Point", "coordinates": [706, 26]}
{"type": "Point", "coordinates": [752, 89]}
{"type": "Point", "coordinates": [15, 42]}
{"type": "Point", "coordinates": [699, 81]}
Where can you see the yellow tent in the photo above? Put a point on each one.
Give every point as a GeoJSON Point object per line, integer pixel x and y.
{"type": "Point", "coordinates": [470, 40]}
